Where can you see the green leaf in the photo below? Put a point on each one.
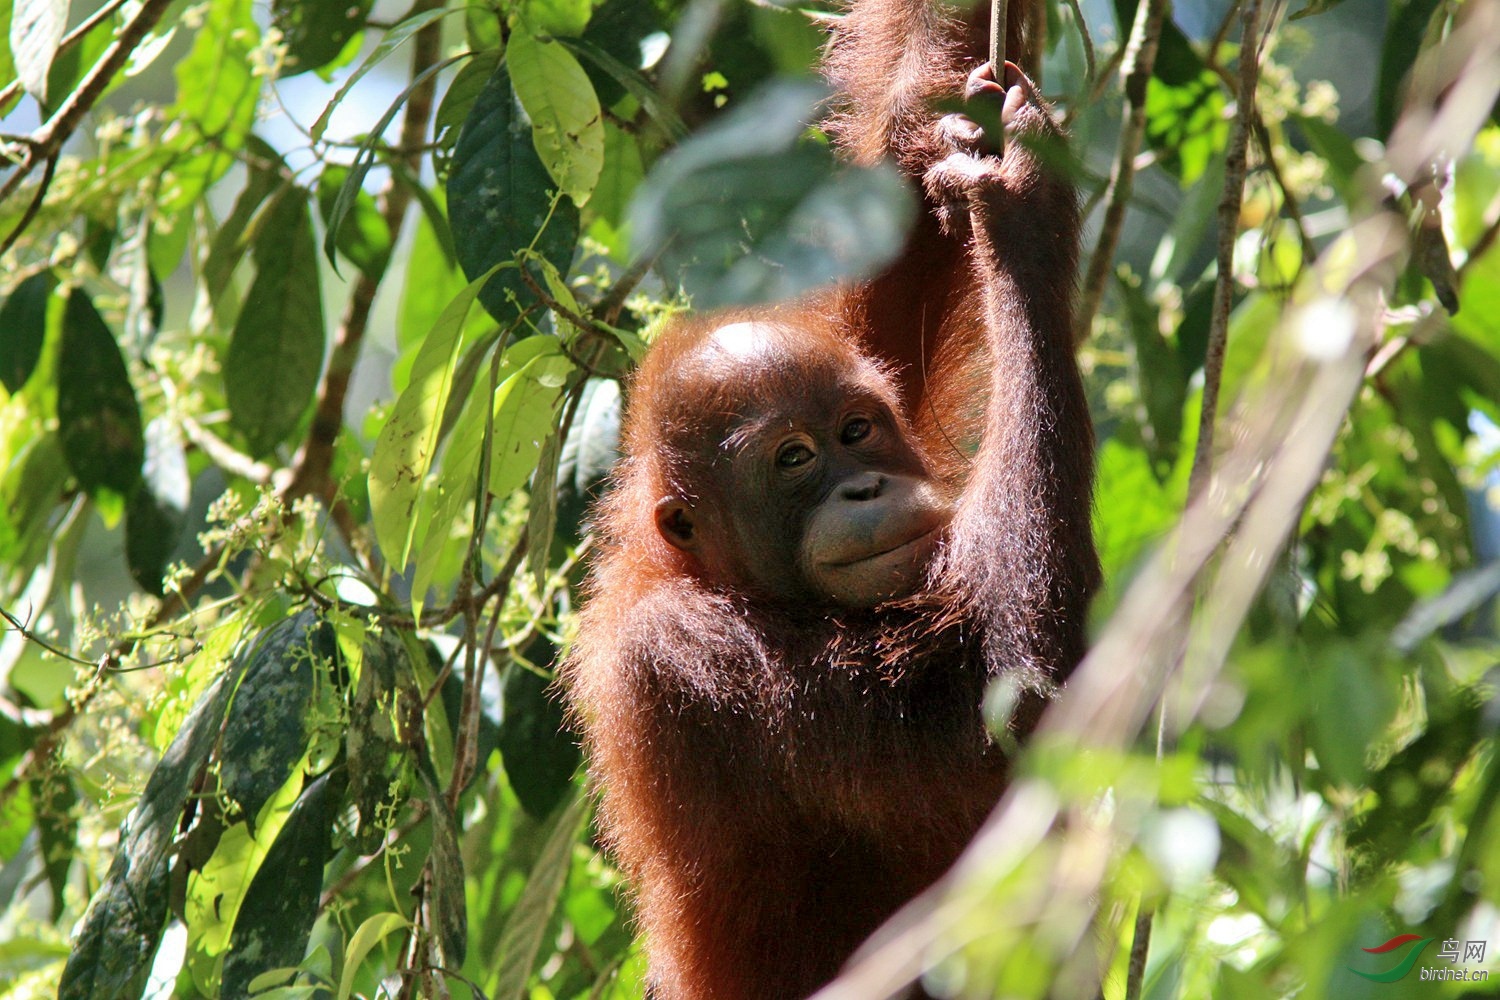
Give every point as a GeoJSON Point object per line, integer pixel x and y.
{"type": "Point", "coordinates": [559, 17]}
{"type": "Point", "coordinates": [567, 126]}
{"type": "Point", "coordinates": [276, 351]}
{"type": "Point", "coordinates": [363, 236]}
{"type": "Point", "coordinates": [56, 805]}
{"type": "Point", "coordinates": [369, 934]}
{"type": "Point", "coordinates": [36, 28]}
{"type": "Point", "coordinates": [389, 42]}
{"type": "Point", "coordinates": [23, 329]}
{"type": "Point", "coordinates": [541, 518]}
{"type": "Point", "coordinates": [217, 91]}
{"type": "Point", "coordinates": [456, 104]}
{"type": "Point", "coordinates": [374, 750]}
{"type": "Point", "coordinates": [745, 211]}
{"type": "Point", "coordinates": [527, 923]}
{"type": "Point", "coordinates": [538, 753]}
{"type": "Point", "coordinates": [408, 442]}
{"type": "Point", "coordinates": [499, 198]}
{"type": "Point", "coordinates": [277, 913]}
{"type": "Point", "coordinates": [316, 31]}
{"type": "Point", "coordinates": [1185, 124]}
{"type": "Point", "coordinates": [525, 410]}
{"type": "Point", "coordinates": [113, 949]}
{"type": "Point", "coordinates": [98, 419]}
{"type": "Point", "coordinates": [266, 730]}
{"type": "Point", "coordinates": [157, 512]}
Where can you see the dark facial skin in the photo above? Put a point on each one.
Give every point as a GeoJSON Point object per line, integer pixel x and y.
{"type": "Point", "coordinates": [816, 495]}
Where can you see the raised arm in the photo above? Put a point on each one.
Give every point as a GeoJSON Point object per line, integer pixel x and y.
{"type": "Point", "coordinates": [1022, 542]}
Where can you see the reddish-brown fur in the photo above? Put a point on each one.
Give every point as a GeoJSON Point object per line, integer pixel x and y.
{"type": "Point", "coordinates": [779, 777]}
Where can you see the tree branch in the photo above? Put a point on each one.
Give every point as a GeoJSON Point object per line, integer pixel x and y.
{"type": "Point", "coordinates": [1140, 58]}
{"type": "Point", "coordinates": [1229, 215]}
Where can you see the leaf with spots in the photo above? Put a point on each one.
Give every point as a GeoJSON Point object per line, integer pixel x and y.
{"type": "Point", "coordinates": [278, 911]}
{"type": "Point", "coordinates": [408, 442]}
{"type": "Point", "coordinates": [266, 731]}
{"type": "Point", "coordinates": [567, 126]}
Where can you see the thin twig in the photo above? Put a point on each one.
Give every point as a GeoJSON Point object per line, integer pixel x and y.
{"type": "Point", "coordinates": [1235, 165]}
{"type": "Point", "coordinates": [1140, 57]}
{"type": "Point", "coordinates": [47, 140]}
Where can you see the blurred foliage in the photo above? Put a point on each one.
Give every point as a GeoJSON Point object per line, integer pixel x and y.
{"type": "Point", "coordinates": [312, 318]}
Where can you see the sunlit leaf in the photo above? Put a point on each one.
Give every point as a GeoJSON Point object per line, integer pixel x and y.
{"type": "Point", "coordinates": [566, 122]}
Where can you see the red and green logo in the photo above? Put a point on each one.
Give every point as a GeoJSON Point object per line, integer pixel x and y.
{"type": "Point", "coordinates": [1404, 966]}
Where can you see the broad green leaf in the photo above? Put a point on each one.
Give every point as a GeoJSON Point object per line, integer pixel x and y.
{"type": "Point", "coordinates": [157, 512]}
{"type": "Point", "coordinates": [282, 672]}
{"type": "Point", "coordinates": [56, 805]}
{"type": "Point", "coordinates": [113, 950]}
{"type": "Point", "coordinates": [363, 236]}
{"type": "Point", "coordinates": [316, 31]}
{"type": "Point", "coordinates": [745, 211]}
{"type": "Point", "coordinates": [98, 419]}
{"type": "Point", "coordinates": [36, 27]}
{"type": "Point", "coordinates": [527, 923]}
{"type": "Point", "coordinates": [276, 351]}
{"type": "Point", "coordinates": [389, 42]}
{"type": "Point", "coordinates": [217, 91]}
{"type": "Point", "coordinates": [521, 414]}
{"type": "Point", "coordinates": [276, 916]}
{"type": "Point", "coordinates": [23, 329]}
{"type": "Point", "coordinates": [431, 282]}
{"type": "Point", "coordinates": [539, 755]}
{"type": "Point", "coordinates": [541, 515]}
{"type": "Point", "coordinates": [500, 200]}
{"type": "Point", "coordinates": [567, 126]}
{"type": "Point", "coordinates": [374, 750]}
{"type": "Point", "coordinates": [525, 407]}
{"type": "Point", "coordinates": [369, 934]}
{"type": "Point", "coordinates": [1185, 124]}
{"type": "Point", "coordinates": [558, 17]}
{"type": "Point", "coordinates": [408, 443]}
{"type": "Point", "coordinates": [458, 100]}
